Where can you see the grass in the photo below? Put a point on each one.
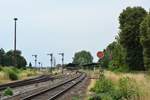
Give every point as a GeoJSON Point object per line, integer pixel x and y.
{"type": "Point", "coordinates": [8, 74]}
{"type": "Point", "coordinates": [141, 79]}
{"type": "Point", "coordinates": [137, 84]}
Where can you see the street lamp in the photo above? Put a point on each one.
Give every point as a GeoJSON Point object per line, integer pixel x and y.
{"type": "Point", "coordinates": [15, 19]}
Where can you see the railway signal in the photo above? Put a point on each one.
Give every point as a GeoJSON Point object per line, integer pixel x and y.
{"type": "Point", "coordinates": [51, 59]}
{"type": "Point", "coordinates": [100, 54]}
{"type": "Point", "coordinates": [62, 54]}
{"type": "Point", "coordinates": [39, 64]}
{"type": "Point", "coordinates": [35, 56]}
{"type": "Point", "coordinates": [54, 61]}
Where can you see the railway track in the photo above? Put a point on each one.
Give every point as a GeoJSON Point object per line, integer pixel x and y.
{"type": "Point", "coordinates": [42, 78]}
{"type": "Point", "coordinates": [53, 93]}
{"type": "Point", "coordinates": [50, 92]}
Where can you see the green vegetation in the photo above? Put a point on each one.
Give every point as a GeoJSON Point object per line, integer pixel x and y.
{"type": "Point", "coordinates": [129, 52]}
{"type": "Point", "coordinates": [130, 20]}
{"type": "Point", "coordinates": [7, 58]}
{"type": "Point", "coordinates": [131, 49]}
{"type": "Point", "coordinates": [8, 92]}
{"type": "Point", "coordinates": [82, 57]}
{"type": "Point", "coordinates": [145, 40]}
{"type": "Point", "coordinates": [105, 89]}
{"type": "Point", "coordinates": [76, 98]}
{"type": "Point", "coordinates": [12, 73]}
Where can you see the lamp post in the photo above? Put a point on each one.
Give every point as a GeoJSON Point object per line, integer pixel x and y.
{"type": "Point", "coordinates": [15, 19]}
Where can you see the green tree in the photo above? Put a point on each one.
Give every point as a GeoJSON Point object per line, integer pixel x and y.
{"type": "Point", "coordinates": [82, 57]}
{"type": "Point", "coordinates": [106, 59]}
{"type": "Point", "coordinates": [114, 56]}
{"type": "Point", "coordinates": [145, 40]}
{"type": "Point", "coordinates": [20, 60]}
{"type": "Point", "coordinates": [30, 64]}
{"type": "Point", "coordinates": [130, 20]}
{"type": "Point", "coordinates": [2, 53]}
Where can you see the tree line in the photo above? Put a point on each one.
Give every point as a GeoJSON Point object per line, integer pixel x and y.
{"type": "Point", "coordinates": [131, 48]}
{"type": "Point", "coordinates": [7, 58]}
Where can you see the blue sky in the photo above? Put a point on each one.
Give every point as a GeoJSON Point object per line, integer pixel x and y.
{"type": "Point", "coordinates": [68, 26]}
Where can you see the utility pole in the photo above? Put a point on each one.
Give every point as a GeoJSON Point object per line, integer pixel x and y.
{"type": "Point", "coordinates": [15, 60]}
{"type": "Point", "coordinates": [51, 59]}
{"type": "Point", "coordinates": [62, 54]}
{"type": "Point", "coordinates": [35, 56]}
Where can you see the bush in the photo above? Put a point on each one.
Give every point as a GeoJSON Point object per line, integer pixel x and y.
{"type": "Point", "coordinates": [16, 70]}
{"type": "Point", "coordinates": [75, 98]}
{"type": "Point", "coordinates": [1, 68]}
{"type": "Point", "coordinates": [114, 66]}
{"type": "Point", "coordinates": [102, 86]}
{"type": "Point", "coordinates": [101, 96]}
{"type": "Point", "coordinates": [128, 88]}
{"type": "Point", "coordinates": [12, 73]}
{"type": "Point", "coordinates": [8, 92]}
{"type": "Point", "coordinates": [104, 89]}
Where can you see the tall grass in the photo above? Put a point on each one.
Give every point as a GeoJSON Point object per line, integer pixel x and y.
{"type": "Point", "coordinates": [11, 73]}
{"type": "Point", "coordinates": [122, 86]}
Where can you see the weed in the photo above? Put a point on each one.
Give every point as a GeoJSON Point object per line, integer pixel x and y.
{"type": "Point", "coordinates": [8, 92]}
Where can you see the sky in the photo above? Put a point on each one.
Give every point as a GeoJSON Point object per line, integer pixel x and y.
{"type": "Point", "coordinates": [68, 26]}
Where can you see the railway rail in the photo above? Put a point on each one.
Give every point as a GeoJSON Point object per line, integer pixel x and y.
{"type": "Point", "coordinates": [42, 78]}
{"type": "Point", "coordinates": [51, 92]}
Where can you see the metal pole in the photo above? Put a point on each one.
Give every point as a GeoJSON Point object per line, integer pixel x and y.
{"type": "Point", "coordinates": [15, 64]}
{"type": "Point", "coordinates": [62, 54]}
{"type": "Point", "coordinates": [51, 60]}
{"type": "Point", "coordinates": [39, 65]}
{"type": "Point", "coordinates": [35, 59]}
{"type": "Point", "coordinates": [54, 61]}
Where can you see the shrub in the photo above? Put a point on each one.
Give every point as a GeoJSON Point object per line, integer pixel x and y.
{"type": "Point", "coordinates": [8, 92]}
{"type": "Point", "coordinates": [11, 73]}
{"type": "Point", "coordinates": [114, 66]}
{"type": "Point", "coordinates": [128, 88]}
{"type": "Point", "coordinates": [103, 85]}
{"type": "Point", "coordinates": [75, 98]}
{"type": "Point", "coordinates": [104, 89]}
{"type": "Point", "coordinates": [1, 68]}
{"type": "Point", "coordinates": [16, 70]}
{"type": "Point", "coordinates": [101, 96]}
